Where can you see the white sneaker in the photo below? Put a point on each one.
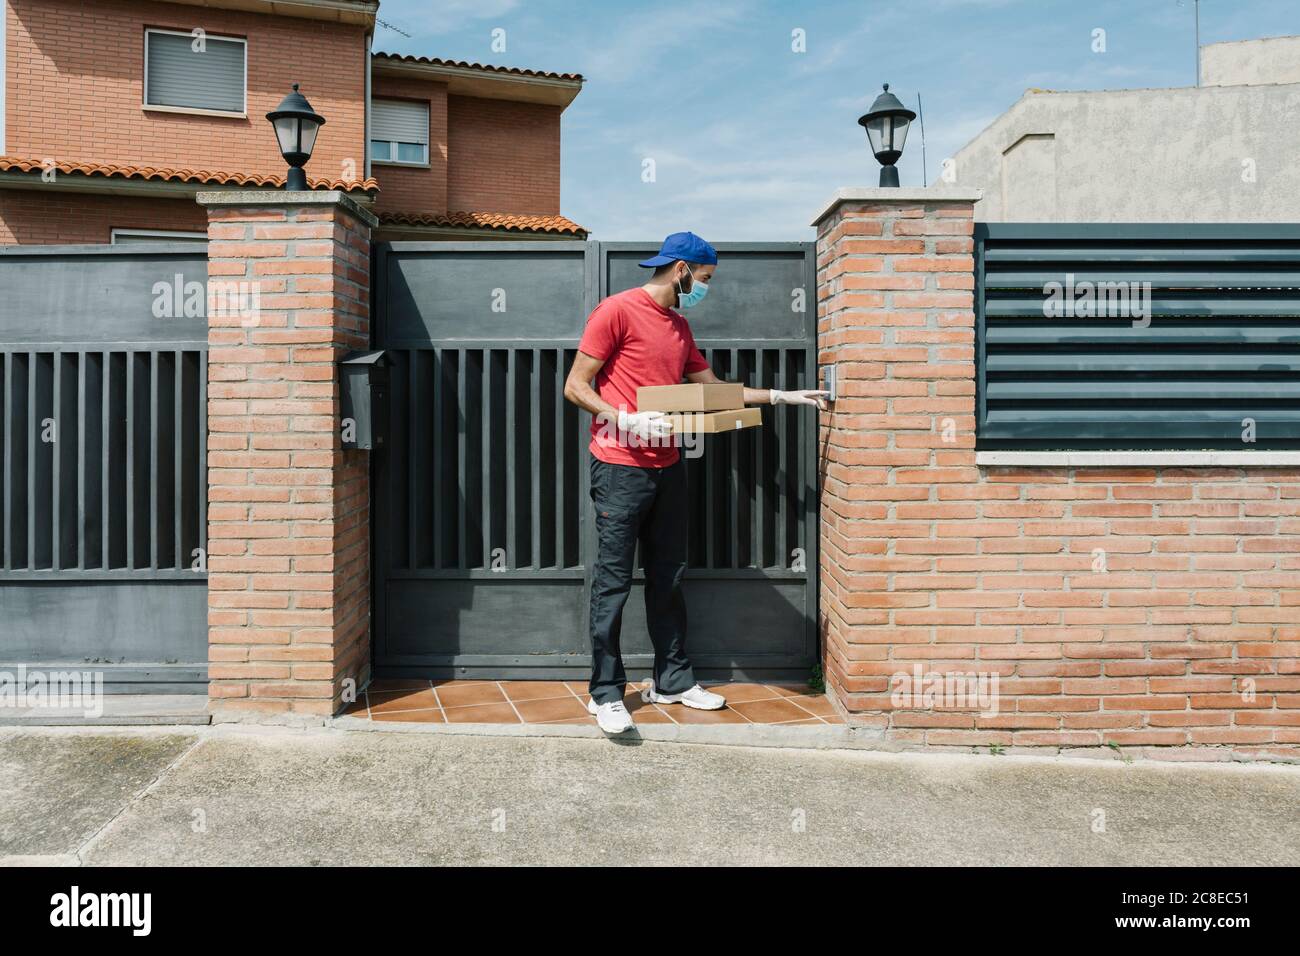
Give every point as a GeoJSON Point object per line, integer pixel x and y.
{"type": "Point", "coordinates": [696, 697]}
{"type": "Point", "coordinates": [612, 718]}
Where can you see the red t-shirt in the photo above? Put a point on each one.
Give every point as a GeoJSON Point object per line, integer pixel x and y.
{"type": "Point", "coordinates": [641, 343]}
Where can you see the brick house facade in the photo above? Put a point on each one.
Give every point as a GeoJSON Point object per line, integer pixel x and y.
{"type": "Point", "coordinates": [82, 155]}
{"type": "Point", "coordinates": [487, 153]}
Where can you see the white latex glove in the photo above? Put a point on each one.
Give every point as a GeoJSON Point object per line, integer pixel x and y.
{"type": "Point", "coordinates": [644, 425]}
{"type": "Point", "coordinates": [805, 396]}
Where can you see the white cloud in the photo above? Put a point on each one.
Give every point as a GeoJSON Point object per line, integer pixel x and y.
{"type": "Point", "coordinates": [636, 49]}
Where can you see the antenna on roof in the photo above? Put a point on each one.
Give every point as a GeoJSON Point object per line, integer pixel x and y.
{"type": "Point", "coordinates": [388, 26]}
{"type": "Point", "coordinates": [1198, 42]}
{"type": "Point", "coordinates": [1197, 16]}
{"type": "Point", "coordinates": [921, 116]}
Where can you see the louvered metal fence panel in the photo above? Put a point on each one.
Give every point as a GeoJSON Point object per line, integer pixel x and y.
{"type": "Point", "coordinates": [101, 460]}
{"type": "Point", "coordinates": [495, 490]}
{"type": "Point", "coordinates": [1115, 336]}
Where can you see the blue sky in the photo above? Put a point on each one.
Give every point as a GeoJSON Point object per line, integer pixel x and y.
{"type": "Point", "coordinates": [749, 137]}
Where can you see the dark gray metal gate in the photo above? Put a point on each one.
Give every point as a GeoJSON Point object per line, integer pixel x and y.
{"type": "Point", "coordinates": [102, 488]}
{"type": "Point", "coordinates": [482, 538]}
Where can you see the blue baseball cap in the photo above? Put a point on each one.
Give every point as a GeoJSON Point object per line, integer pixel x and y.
{"type": "Point", "coordinates": [686, 246]}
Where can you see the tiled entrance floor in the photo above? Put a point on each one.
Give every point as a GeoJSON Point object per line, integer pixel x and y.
{"type": "Point", "coordinates": [565, 702]}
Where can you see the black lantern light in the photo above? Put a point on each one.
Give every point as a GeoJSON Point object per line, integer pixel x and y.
{"type": "Point", "coordinates": [296, 124]}
{"type": "Point", "coordinates": [886, 124]}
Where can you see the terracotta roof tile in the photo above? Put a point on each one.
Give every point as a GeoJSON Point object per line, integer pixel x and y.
{"type": "Point", "coordinates": [203, 177]}
{"type": "Point", "coordinates": [486, 68]}
{"type": "Point", "coordinates": [509, 222]}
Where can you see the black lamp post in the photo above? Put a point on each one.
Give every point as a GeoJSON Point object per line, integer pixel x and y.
{"type": "Point", "coordinates": [886, 124]}
{"type": "Point", "coordinates": [296, 124]}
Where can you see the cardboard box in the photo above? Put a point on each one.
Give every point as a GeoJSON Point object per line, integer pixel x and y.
{"type": "Point", "coordinates": [705, 423]}
{"type": "Point", "coordinates": [689, 398]}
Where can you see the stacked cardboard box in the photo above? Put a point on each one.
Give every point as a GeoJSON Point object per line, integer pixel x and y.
{"type": "Point", "coordinates": [700, 409]}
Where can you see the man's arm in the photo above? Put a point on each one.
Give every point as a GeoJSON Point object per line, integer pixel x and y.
{"type": "Point", "coordinates": [764, 396]}
{"type": "Point", "coordinates": [577, 387]}
{"type": "Point", "coordinates": [753, 396]}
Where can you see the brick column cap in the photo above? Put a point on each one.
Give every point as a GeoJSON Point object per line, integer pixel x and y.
{"type": "Point", "coordinates": [896, 194]}
{"type": "Point", "coordinates": [218, 198]}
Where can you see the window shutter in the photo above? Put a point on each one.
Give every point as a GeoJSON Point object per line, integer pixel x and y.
{"type": "Point", "coordinates": [399, 121]}
{"type": "Point", "coordinates": [180, 76]}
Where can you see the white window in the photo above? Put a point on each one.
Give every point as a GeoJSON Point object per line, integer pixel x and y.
{"type": "Point", "coordinates": [156, 235]}
{"type": "Point", "coordinates": [399, 132]}
{"type": "Point", "coordinates": [195, 72]}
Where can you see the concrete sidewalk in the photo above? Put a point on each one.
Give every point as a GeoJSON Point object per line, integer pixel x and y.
{"type": "Point", "coordinates": [267, 796]}
{"type": "Point", "coordinates": [119, 710]}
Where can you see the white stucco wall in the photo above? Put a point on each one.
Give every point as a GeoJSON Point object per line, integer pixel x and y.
{"type": "Point", "coordinates": [1270, 60]}
{"type": "Point", "coordinates": [1222, 153]}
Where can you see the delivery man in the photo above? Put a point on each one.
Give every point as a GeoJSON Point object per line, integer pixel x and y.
{"type": "Point", "coordinates": [638, 480]}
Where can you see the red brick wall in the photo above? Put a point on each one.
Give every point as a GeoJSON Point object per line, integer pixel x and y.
{"type": "Point", "coordinates": [288, 508]}
{"type": "Point", "coordinates": [51, 215]}
{"type": "Point", "coordinates": [75, 76]}
{"type": "Point", "coordinates": [1147, 607]}
{"type": "Point", "coordinates": [75, 73]}
{"type": "Point", "coordinates": [406, 188]}
{"type": "Point", "coordinates": [503, 156]}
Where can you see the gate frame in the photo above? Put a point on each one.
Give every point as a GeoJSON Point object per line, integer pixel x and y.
{"type": "Point", "coordinates": [578, 666]}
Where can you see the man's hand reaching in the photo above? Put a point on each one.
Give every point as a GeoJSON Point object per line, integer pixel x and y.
{"type": "Point", "coordinates": [644, 425]}
{"type": "Point", "coordinates": [805, 396]}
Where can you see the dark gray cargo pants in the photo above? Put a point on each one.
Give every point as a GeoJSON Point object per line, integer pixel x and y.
{"type": "Point", "coordinates": [648, 505]}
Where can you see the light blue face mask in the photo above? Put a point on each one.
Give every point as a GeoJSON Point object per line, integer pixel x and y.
{"type": "Point", "coordinates": [698, 291]}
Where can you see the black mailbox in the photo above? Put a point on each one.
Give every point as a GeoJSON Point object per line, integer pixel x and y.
{"type": "Point", "coordinates": [363, 394]}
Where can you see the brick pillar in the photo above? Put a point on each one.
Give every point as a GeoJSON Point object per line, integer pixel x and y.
{"type": "Point", "coordinates": [895, 317]}
{"type": "Point", "coordinates": [288, 508]}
